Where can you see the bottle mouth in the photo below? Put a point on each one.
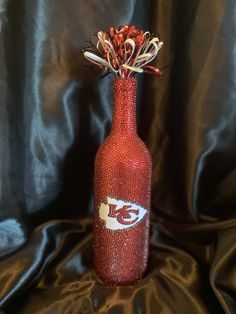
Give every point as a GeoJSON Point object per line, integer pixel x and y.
{"type": "Point", "coordinates": [127, 79]}
{"type": "Point", "coordinates": [124, 83]}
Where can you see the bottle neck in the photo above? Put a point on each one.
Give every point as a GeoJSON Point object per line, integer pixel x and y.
{"type": "Point", "coordinates": [124, 111]}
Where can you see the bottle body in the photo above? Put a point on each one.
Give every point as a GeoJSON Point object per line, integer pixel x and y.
{"type": "Point", "coordinates": [122, 191]}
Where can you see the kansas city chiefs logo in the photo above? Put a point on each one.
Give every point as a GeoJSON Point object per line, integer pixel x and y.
{"type": "Point", "coordinates": [118, 214]}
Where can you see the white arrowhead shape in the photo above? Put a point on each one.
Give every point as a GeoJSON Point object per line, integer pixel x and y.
{"type": "Point", "coordinates": [112, 223]}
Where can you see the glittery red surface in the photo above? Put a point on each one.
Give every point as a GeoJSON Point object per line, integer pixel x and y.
{"type": "Point", "coordinates": [122, 171]}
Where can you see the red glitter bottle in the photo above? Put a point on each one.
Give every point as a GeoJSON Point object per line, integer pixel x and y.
{"type": "Point", "coordinates": [122, 194]}
{"type": "Point", "coordinates": [122, 184]}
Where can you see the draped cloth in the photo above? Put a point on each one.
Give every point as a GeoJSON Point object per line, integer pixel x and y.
{"type": "Point", "coordinates": [55, 111]}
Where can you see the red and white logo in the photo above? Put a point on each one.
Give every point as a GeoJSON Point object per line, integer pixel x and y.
{"type": "Point", "coordinates": [118, 214]}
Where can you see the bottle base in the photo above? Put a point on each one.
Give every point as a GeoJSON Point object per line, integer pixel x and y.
{"type": "Point", "coordinates": [113, 281]}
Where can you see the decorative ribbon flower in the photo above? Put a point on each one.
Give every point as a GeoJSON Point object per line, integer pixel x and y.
{"type": "Point", "coordinates": [125, 51]}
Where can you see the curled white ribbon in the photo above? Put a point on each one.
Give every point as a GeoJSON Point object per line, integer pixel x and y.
{"type": "Point", "coordinates": [146, 53]}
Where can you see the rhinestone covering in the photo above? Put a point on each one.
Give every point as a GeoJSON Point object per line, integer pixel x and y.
{"type": "Point", "coordinates": [122, 171]}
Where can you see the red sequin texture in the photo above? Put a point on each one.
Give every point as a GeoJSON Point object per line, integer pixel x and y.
{"type": "Point", "coordinates": [123, 172]}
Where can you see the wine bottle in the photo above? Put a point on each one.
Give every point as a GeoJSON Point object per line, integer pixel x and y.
{"type": "Point", "coordinates": [122, 188]}
{"type": "Point", "coordinates": [122, 178]}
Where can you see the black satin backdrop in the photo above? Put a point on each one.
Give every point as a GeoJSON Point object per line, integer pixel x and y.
{"type": "Point", "coordinates": [55, 111]}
